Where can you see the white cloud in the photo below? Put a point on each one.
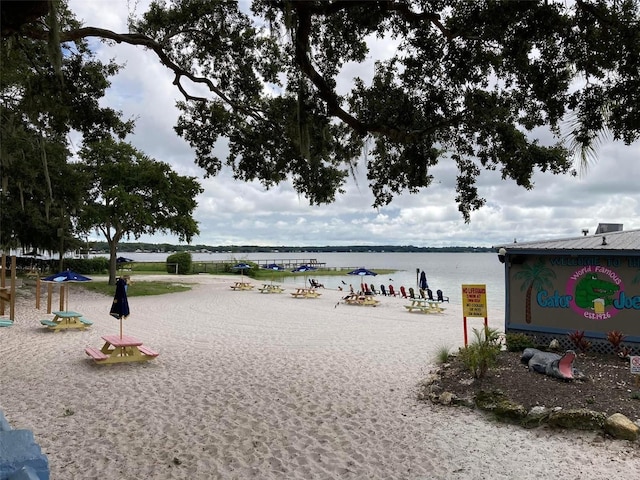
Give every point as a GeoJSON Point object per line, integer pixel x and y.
{"type": "Point", "coordinates": [233, 212]}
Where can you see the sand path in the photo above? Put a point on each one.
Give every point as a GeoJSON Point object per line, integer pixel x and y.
{"type": "Point", "coordinates": [268, 387]}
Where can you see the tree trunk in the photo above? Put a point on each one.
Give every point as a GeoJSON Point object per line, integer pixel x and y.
{"type": "Point", "coordinates": [527, 314]}
{"type": "Point", "coordinates": [112, 261]}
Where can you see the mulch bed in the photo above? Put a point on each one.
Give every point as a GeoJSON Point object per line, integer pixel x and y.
{"type": "Point", "coordinates": [609, 386]}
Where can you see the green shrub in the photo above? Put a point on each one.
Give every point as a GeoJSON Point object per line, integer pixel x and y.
{"type": "Point", "coordinates": [183, 262]}
{"type": "Point", "coordinates": [482, 353]}
{"type": "Point", "coordinates": [517, 342]}
{"type": "Point", "coordinates": [87, 266]}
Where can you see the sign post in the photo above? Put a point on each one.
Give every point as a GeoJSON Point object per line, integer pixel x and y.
{"type": "Point", "coordinates": [474, 304]}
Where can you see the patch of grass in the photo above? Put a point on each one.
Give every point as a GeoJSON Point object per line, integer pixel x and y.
{"type": "Point", "coordinates": [157, 268]}
{"type": "Point", "coordinates": [442, 354]}
{"type": "Point", "coordinates": [137, 288]}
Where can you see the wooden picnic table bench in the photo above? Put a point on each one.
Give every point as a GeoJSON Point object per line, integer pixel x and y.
{"type": "Point", "coordinates": [120, 349]}
{"type": "Point", "coordinates": [424, 306]}
{"type": "Point", "coordinates": [269, 288]}
{"type": "Point", "coordinates": [305, 293]}
{"type": "Point", "coordinates": [64, 320]}
{"type": "Point", "coordinates": [366, 300]}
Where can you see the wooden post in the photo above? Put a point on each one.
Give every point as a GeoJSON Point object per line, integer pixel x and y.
{"type": "Point", "coordinates": [62, 294]}
{"type": "Point", "coordinates": [49, 295]}
{"type": "Point", "coordinates": [38, 291]}
{"type": "Point", "coordinates": [12, 304]}
{"type": "Point", "coordinates": [3, 274]}
{"type": "Point", "coordinates": [8, 294]}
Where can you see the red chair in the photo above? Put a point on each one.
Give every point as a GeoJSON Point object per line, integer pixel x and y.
{"type": "Point", "coordinates": [392, 292]}
{"type": "Point", "coordinates": [403, 292]}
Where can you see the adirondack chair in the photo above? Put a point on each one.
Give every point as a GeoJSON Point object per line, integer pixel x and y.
{"type": "Point", "coordinates": [430, 295]}
{"type": "Point", "coordinates": [373, 289]}
{"type": "Point", "coordinates": [412, 293]}
{"type": "Point", "coordinates": [392, 292]}
{"type": "Point", "coordinates": [383, 290]}
{"type": "Point", "coordinates": [423, 295]}
{"type": "Point", "coordinates": [441, 298]}
{"type": "Point", "coordinates": [403, 292]}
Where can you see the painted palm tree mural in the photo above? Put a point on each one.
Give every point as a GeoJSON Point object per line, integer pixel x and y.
{"type": "Point", "coordinates": [535, 277]}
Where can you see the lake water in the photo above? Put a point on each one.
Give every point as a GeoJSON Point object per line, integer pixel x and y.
{"type": "Point", "coordinates": [445, 271]}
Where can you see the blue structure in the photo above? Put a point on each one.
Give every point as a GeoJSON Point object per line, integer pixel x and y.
{"type": "Point", "coordinates": [20, 455]}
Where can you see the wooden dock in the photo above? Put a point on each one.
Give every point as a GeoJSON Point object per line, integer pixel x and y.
{"type": "Point", "coordinates": [219, 266]}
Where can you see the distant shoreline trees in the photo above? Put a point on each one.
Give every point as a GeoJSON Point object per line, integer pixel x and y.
{"type": "Point", "coordinates": [167, 248]}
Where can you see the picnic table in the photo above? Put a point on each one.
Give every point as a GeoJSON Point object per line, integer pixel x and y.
{"type": "Point", "coordinates": [242, 286]}
{"type": "Point", "coordinates": [64, 320]}
{"type": "Point", "coordinates": [423, 305]}
{"type": "Point", "coordinates": [270, 288]}
{"type": "Point", "coordinates": [366, 300]}
{"type": "Point", "coordinates": [120, 349]}
{"type": "Point", "coordinates": [305, 293]}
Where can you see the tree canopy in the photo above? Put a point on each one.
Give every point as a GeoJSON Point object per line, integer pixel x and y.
{"type": "Point", "coordinates": [473, 83]}
{"type": "Point", "coordinates": [130, 194]}
{"type": "Point", "coordinates": [42, 101]}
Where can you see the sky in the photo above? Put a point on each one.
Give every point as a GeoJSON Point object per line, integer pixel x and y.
{"type": "Point", "coordinates": [232, 212]}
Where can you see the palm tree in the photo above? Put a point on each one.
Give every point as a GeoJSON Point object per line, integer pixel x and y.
{"type": "Point", "coordinates": [534, 276]}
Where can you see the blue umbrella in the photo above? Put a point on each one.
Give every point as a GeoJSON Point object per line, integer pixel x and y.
{"type": "Point", "coordinates": [273, 267]}
{"type": "Point", "coordinates": [423, 281]}
{"type": "Point", "coordinates": [242, 267]}
{"type": "Point", "coordinates": [362, 272]}
{"type": "Point", "coordinates": [304, 269]}
{"type": "Point", "coordinates": [66, 276]}
{"type": "Point", "coordinates": [120, 305]}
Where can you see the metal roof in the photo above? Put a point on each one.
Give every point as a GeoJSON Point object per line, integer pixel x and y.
{"type": "Point", "coordinates": [610, 242]}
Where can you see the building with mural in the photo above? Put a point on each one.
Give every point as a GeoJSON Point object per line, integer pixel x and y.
{"type": "Point", "coordinates": [587, 284]}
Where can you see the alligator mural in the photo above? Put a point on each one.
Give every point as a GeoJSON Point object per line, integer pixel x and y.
{"type": "Point", "coordinates": [591, 288]}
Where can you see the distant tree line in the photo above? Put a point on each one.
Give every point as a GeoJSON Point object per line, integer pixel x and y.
{"type": "Point", "coordinates": [165, 247]}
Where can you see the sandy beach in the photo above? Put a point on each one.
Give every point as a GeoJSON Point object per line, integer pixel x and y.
{"type": "Point", "coordinates": [257, 386]}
